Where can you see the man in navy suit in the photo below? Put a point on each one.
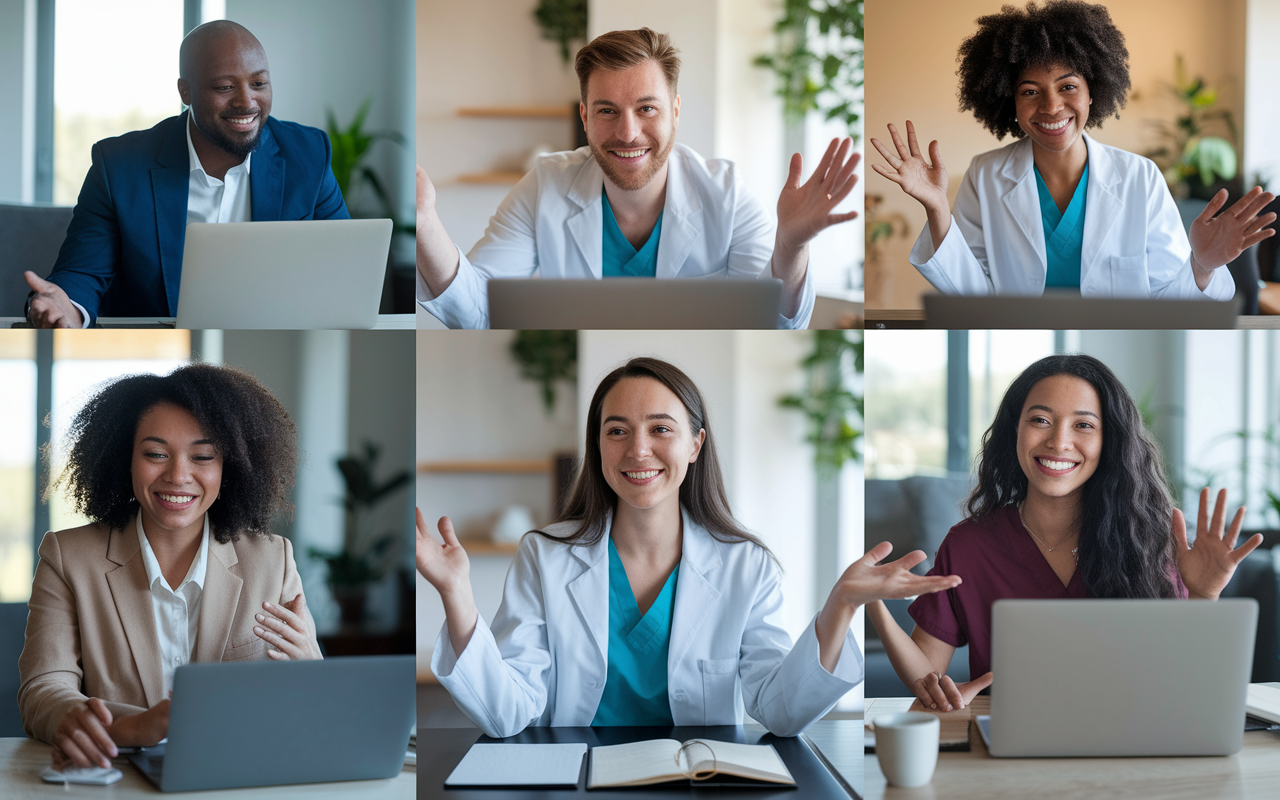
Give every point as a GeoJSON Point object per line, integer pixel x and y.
{"type": "Point", "coordinates": [223, 160]}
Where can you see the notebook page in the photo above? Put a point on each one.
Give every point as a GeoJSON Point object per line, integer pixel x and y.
{"type": "Point", "coordinates": [519, 765]}
{"type": "Point", "coordinates": [760, 761]}
{"type": "Point", "coordinates": [623, 764]}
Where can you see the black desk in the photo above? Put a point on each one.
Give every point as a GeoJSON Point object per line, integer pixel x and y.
{"type": "Point", "coordinates": [440, 750]}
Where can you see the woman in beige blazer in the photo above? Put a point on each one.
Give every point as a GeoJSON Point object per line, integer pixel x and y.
{"type": "Point", "coordinates": [181, 476]}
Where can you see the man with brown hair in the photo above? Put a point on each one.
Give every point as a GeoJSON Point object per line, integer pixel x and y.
{"type": "Point", "coordinates": [634, 203]}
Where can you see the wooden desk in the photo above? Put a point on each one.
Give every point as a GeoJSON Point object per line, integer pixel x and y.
{"type": "Point", "coordinates": [386, 322]}
{"type": "Point", "coordinates": [22, 759]}
{"type": "Point", "coordinates": [914, 318]}
{"type": "Point", "coordinates": [1254, 772]}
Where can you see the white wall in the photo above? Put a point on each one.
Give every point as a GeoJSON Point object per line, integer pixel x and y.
{"type": "Point", "coordinates": [17, 97]}
{"type": "Point", "coordinates": [333, 54]}
{"type": "Point", "coordinates": [1262, 111]}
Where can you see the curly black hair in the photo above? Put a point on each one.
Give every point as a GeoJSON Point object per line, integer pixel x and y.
{"type": "Point", "coordinates": [248, 426]}
{"type": "Point", "coordinates": [1069, 33]}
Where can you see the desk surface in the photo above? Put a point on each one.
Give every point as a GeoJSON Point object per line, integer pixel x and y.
{"type": "Point", "coordinates": [889, 318]}
{"type": "Point", "coordinates": [22, 759]}
{"type": "Point", "coordinates": [440, 750]}
{"type": "Point", "coordinates": [386, 322]}
{"type": "Point", "coordinates": [1254, 772]}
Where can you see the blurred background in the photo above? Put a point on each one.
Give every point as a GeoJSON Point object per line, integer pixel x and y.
{"type": "Point", "coordinates": [496, 86]}
{"type": "Point", "coordinates": [500, 418]}
{"type": "Point", "coordinates": [1220, 98]}
{"type": "Point", "coordinates": [347, 392]}
{"type": "Point", "coordinates": [1208, 397]}
{"type": "Point", "coordinates": [83, 70]}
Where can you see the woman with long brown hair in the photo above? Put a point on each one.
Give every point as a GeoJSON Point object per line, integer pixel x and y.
{"type": "Point", "coordinates": [647, 603]}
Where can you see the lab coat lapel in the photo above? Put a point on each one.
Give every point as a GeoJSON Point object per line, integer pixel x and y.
{"type": "Point", "coordinates": [1103, 206]}
{"type": "Point", "coordinates": [132, 597]}
{"type": "Point", "coordinates": [266, 179]}
{"type": "Point", "coordinates": [681, 222]}
{"type": "Point", "coordinates": [590, 593]}
{"type": "Point", "coordinates": [1022, 202]}
{"type": "Point", "coordinates": [586, 221]}
{"type": "Point", "coordinates": [170, 190]}
{"type": "Point", "coordinates": [218, 600]}
{"type": "Point", "coordinates": [696, 592]}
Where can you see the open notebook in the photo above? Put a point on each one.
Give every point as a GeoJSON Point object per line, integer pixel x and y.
{"type": "Point", "coordinates": [664, 760]}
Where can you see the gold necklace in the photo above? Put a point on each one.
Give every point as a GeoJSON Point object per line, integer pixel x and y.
{"type": "Point", "coordinates": [1075, 551]}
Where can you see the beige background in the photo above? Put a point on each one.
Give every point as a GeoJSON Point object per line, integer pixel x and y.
{"type": "Point", "coordinates": [910, 74]}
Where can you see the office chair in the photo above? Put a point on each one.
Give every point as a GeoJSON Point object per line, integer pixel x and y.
{"type": "Point", "coordinates": [32, 236]}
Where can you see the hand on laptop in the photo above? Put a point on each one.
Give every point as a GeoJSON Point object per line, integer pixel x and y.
{"type": "Point", "coordinates": [1207, 566]}
{"type": "Point", "coordinates": [938, 692]}
{"type": "Point", "coordinates": [290, 629]}
{"type": "Point", "coordinates": [82, 738]}
{"type": "Point", "coordinates": [50, 307]}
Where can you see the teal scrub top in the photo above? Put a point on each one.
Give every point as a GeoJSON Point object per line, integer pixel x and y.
{"type": "Point", "coordinates": [621, 259]}
{"type": "Point", "coordinates": [635, 687]}
{"type": "Point", "coordinates": [1063, 234]}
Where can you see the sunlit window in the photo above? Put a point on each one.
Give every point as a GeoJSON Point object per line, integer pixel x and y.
{"type": "Point", "coordinates": [17, 462]}
{"type": "Point", "coordinates": [906, 403]}
{"type": "Point", "coordinates": [115, 71]}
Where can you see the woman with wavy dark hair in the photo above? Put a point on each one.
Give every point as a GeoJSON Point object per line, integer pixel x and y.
{"type": "Point", "coordinates": [1071, 501]}
{"type": "Point", "coordinates": [181, 476]}
{"type": "Point", "coordinates": [1057, 208]}
{"type": "Point", "coordinates": [647, 603]}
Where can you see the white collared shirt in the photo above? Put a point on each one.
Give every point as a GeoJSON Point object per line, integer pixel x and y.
{"type": "Point", "coordinates": [209, 199]}
{"type": "Point", "coordinates": [177, 613]}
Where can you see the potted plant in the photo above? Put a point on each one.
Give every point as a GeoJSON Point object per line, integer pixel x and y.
{"type": "Point", "coordinates": [365, 555]}
{"type": "Point", "coordinates": [350, 146]}
{"type": "Point", "coordinates": [1195, 165]}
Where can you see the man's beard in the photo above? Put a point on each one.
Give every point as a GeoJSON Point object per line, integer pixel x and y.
{"type": "Point", "coordinates": [238, 148]}
{"type": "Point", "coordinates": [627, 180]}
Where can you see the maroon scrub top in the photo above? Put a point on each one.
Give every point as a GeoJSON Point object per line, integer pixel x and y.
{"type": "Point", "coordinates": [998, 560]}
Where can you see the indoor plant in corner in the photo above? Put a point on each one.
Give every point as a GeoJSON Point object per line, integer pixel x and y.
{"type": "Point", "coordinates": [365, 556]}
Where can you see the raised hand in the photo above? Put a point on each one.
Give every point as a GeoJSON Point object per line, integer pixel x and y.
{"type": "Point", "coordinates": [938, 692]}
{"type": "Point", "coordinates": [1219, 240]}
{"type": "Point", "coordinates": [446, 567]}
{"type": "Point", "coordinates": [1207, 566]}
{"type": "Point", "coordinates": [867, 579]}
{"type": "Point", "coordinates": [290, 629]}
{"type": "Point", "coordinates": [805, 211]}
{"type": "Point", "coordinates": [50, 307]}
{"type": "Point", "coordinates": [437, 257]}
{"type": "Point", "coordinates": [923, 181]}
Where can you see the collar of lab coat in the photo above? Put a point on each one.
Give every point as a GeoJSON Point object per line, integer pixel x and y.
{"type": "Point", "coordinates": [696, 589]}
{"type": "Point", "coordinates": [681, 217]}
{"type": "Point", "coordinates": [1023, 202]}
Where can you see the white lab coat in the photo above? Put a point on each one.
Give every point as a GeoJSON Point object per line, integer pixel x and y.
{"type": "Point", "coordinates": [544, 660]}
{"type": "Point", "coordinates": [1134, 242]}
{"type": "Point", "coordinates": [553, 222]}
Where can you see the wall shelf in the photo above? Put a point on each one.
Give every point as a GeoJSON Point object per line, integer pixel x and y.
{"type": "Point", "coordinates": [480, 547]}
{"type": "Point", "coordinates": [505, 465]}
{"type": "Point", "coordinates": [495, 178]}
{"type": "Point", "coordinates": [565, 111]}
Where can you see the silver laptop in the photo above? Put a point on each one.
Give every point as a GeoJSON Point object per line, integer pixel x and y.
{"type": "Point", "coordinates": [301, 274]}
{"type": "Point", "coordinates": [1120, 677]}
{"type": "Point", "coordinates": [265, 723]}
{"type": "Point", "coordinates": [635, 303]}
{"type": "Point", "coordinates": [1070, 311]}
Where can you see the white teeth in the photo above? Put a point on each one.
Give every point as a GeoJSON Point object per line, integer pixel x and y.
{"type": "Point", "coordinates": [1056, 126]}
{"type": "Point", "coordinates": [241, 120]}
{"type": "Point", "coordinates": [642, 476]}
{"type": "Point", "coordinates": [631, 153]}
{"type": "Point", "coordinates": [176, 498]}
{"type": "Point", "coordinates": [1057, 465]}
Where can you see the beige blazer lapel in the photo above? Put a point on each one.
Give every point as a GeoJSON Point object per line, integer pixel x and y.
{"type": "Point", "coordinates": [132, 597]}
{"type": "Point", "coordinates": [218, 601]}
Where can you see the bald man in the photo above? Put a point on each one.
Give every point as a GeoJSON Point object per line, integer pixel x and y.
{"type": "Point", "coordinates": [223, 160]}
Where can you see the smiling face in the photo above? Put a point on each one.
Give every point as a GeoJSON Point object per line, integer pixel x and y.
{"type": "Point", "coordinates": [177, 472]}
{"type": "Point", "coordinates": [646, 445]}
{"type": "Point", "coordinates": [1060, 436]}
{"type": "Point", "coordinates": [1052, 104]}
{"type": "Point", "coordinates": [228, 87]}
{"type": "Point", "coordinates": [631, 120]}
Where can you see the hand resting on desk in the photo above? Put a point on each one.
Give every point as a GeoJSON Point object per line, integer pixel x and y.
{"type": "Point", "coordinates": [50, 307]}
{"type": "Point", "coordinates": [89, 736]}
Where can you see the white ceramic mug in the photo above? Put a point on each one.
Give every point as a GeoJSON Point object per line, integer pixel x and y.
{"type": "Point", "coordinates": [907, 747]}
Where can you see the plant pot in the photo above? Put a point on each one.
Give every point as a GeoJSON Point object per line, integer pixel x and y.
{"type": "Point", "coordinates": [351, 604]}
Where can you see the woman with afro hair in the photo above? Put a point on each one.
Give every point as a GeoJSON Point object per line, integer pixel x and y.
{"type": "Point", "coordinates": [1057, 209]}
{"type": "Point", "coordinates": [181, 476]}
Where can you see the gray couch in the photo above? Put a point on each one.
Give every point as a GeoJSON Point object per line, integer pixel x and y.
{"type": "Point", "coordinates": [30, 237]}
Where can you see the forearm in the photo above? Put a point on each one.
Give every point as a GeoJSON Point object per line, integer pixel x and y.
{"type": "Point", "coordinates": [437, 255]}
{"type": "Point", "coordinates": [791, 265]}
{"type": "Point", "coordinates": [831, 628]}
{"type": "Point", "coordinates": [460, 617]}
{"type": "Point", "coordinates": [1202, 275]}
{"type": "Point", "coordinates": [939, 216]}
{"type": "Point", "coordinates": [908, 660]}
{"type": "Point", "coordinates": [135, 730]}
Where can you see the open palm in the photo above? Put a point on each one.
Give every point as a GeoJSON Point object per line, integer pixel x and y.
{"type": "Point", "coordinates": [445, 566]}
{"type": "Point", "coordinates": [806, 210]}
{"type": "Point", "coordinates": [867, 580]}
{"type": "Point", "coordinates": [1218, 240]}
{"type": "Point", "coordinates": [1207, 566]}
{"type": "Point", "coordinates": [921, 180]}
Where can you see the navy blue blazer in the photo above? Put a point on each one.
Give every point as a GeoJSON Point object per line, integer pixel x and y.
{"type": "Point", "coordinates": [123, 253]}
